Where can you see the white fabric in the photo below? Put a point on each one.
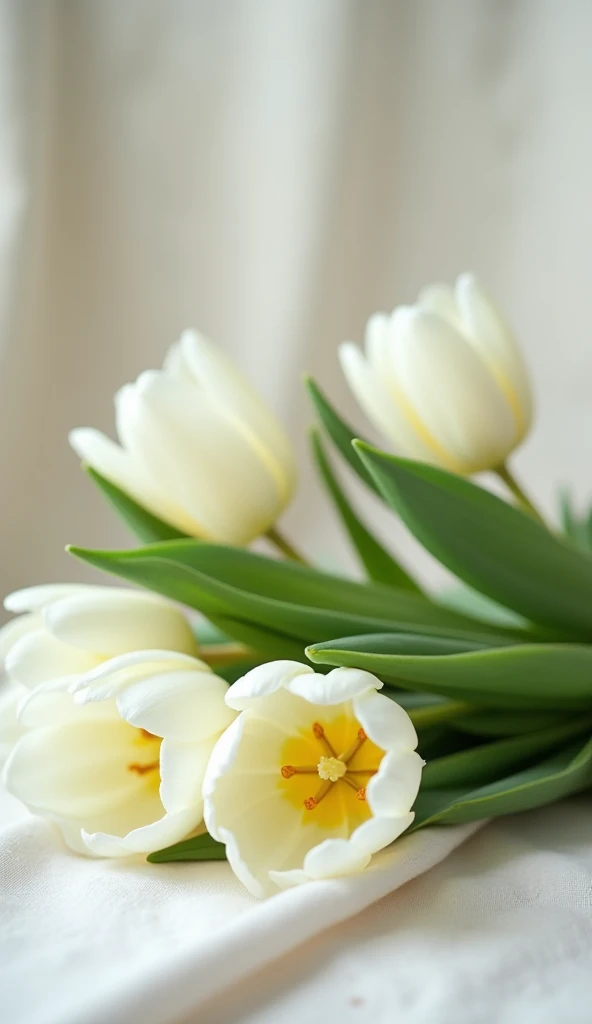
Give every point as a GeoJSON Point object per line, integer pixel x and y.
{"type": "Point", "coordinates": [501, 931]}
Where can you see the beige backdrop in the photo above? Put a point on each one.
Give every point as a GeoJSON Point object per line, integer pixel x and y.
{"type": "Point", "coordinates": [272, 171]}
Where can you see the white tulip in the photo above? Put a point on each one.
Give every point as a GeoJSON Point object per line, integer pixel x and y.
{"type": "Point", "coordinates": [317, 774]}
{"type": "Point", "coordinates": [443, 380]}
{"type": "Point", "coordinates": [116, 739]}
{"type": "Point", "coordinates": [198, 447]}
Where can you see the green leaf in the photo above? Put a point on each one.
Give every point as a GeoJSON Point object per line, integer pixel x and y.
{"type": "Point", "coordinates": [289, 599]}
{"type": "Point", "coordinates": [147, 527]}
{"type": "Point", "coordinates": [340, 433]}
{"type": "Point", "coordinates": [508, 723]}
{"type": "Point", "coordinates": [488, 762]}
{"type": "Point", "coordinates": [490, 545]}
{"type": "Point", "coordinates": [377, 561]}
{"type": "Point", "coordinates": [574, 526]}
{"type": "Point", "coordinates": [533, 677]}
{"type": "Point", "coordinates": [264, 641]}
{"type": "Point", "coordinates": [201, 847]}
{"type": "Point", "coordinates": [478, 606]}
{"type": "Point", "coordinates": [568, 771]}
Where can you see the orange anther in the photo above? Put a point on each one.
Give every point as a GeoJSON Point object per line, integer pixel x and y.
{"type": "Point", "coordinates": [362, 735]}
{"type": "Point", "coordinates": [361, 794]}
{"type": "Point", "coordinates": [318, 730]}
{"type": "Point", "coordinates": [310, 803]}
{"type": "Point", "coordinates": [288, 771]}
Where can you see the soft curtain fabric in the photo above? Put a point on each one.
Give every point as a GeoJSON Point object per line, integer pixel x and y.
{"type": "Point", "coordinates": [271, 172]}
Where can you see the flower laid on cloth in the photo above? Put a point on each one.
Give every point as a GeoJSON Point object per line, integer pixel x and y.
{"type": "Point", "coordinates": [112, 720]}
{"type": "Point", "coordinates": [198, 447]}
{"type": "Point", "coordinates": [113, 740]}
{"type": "Point", "coordinates": [443, 380]}
{"type": "Point", "coordinates": [316, 774]}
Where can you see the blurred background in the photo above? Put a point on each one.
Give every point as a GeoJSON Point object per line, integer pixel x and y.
{"type": "Point", "coordinates": [272, 172]}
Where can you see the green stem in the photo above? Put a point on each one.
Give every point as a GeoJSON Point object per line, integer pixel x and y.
{"type": "Point", "coordinates": [514, 487]}
{"type": "Point", "coordinates": [220, 655]}
{"type": "Point", "coordinates": [439, 713]}
{"type": "Point", "coordinates": [283, 545]}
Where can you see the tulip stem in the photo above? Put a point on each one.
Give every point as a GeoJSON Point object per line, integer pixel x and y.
{"type": "Point", "coordinates": [284, 546]}
{"type": "Point", "coordinates": [220, 655]}
{"type": "Point", "coordinates": [514, 487]}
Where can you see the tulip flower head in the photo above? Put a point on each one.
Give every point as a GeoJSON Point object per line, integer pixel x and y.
{"type": "Point", "coordinates": [113, 740]}
{"type": "Point", "coordinates": [443, 380]}
{"type": "Point", "coordinates": [317, 774]}
{"type": "Point", "coordinates": [198, 447]}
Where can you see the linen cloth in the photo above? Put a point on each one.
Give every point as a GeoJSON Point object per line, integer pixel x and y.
{"type": "Point", "coordinates": [500, 931]}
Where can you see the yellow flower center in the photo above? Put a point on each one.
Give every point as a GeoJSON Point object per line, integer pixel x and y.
{"type": "Point", "coordinates": [148, 761]}
{"type": "Point", "coordinates": [347, 762]}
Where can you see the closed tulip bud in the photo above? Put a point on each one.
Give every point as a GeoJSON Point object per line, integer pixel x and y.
{"type": "Point", "coordinates": [443, 380]}
{"type": "Point", "coordinates": [198, 447]}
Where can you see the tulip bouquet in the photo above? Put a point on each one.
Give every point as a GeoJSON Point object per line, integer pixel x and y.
{"type": "Point", "coordinates": [303, 721]}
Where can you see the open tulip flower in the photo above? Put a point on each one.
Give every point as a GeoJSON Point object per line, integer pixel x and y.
{"type": "Point", "coordinates": [317, 774]}
{"type": "Point", "coordinates": [198, 447]}
{"type": "Point", "coordinates": [116, 739]}
{"type": "Point", "coordinates": [443, 380]}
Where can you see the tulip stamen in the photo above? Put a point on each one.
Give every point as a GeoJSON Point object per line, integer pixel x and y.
{"type": "Point", "coordinates": [142, 769]}
{"type": "Point", "coordinates": [319, 734]}
{"type": "Point", "coordinates": [288, 770]}
{"type": "Point", "coordinates": [352, 751]}
{"type": "Point", "coordinates": [313, 801]}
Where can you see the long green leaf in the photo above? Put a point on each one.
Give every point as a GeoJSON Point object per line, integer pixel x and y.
{"type": "Point", "coordinates": [201, 847]}
{"type": "Point", "coordinates": [377, 561]}
{"type": "Point", "coordinates": [265, 641]}
{"type": "Point", "coordinates": [147, 527]}
{"type": "Point", "coordinates": [566, 772]}
{"type": "Point", "coordinates": [488, 762]}
{"type": "Point", "coordinates": [490, 545]}
{"type": "Point", "coordinates": [340, 433]}
{"type": "Point", "coordinates": [294, 600]}
{"type": "Point", "coordinates": [530, 676]}
{"type": "Point", "coordinates": [574, 526]}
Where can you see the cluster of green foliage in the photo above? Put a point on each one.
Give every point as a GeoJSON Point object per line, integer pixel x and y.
{"type": "Point", "coordinates": [500, 693]}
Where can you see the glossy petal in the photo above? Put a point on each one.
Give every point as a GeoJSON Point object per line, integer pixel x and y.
{"type": "Point", "coordinates": [186, 705]}
{"type": "Point", "coordinates": [113, 621]}
{"type": "Point", "coordinates": [452, 393]}
{"type": "Point", "coordinates": [382, 408]}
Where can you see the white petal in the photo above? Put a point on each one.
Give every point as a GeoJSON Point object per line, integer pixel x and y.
{"type": "Point", "coordinates": [263, 680]}
{"type": "Point", "coordinates": [184, 705]}
{"type": "Point", "coordinates": [338, 686]}
{"type": "Point", "coordinates": [15, 629]}
{"type": "Point", "coordinates": [384, 721]}
{"type": "Point", "coordinates": [171, 828]}
{"type": "Point", "coordinates": [216, 477]}
{"type": "Point", "coordinates": [33, 599]}
{"type": "Point", "coordinates": [335, 857]}
{"type": "Point", "coordinates": [75, 769]}
{"type": "Point", "coordinates": [212, 370]}
{"type": "Point", "coordinates": [452, 393]}
{"type": "Point", "coordinates": [115, 621]}
{"type": "Point", "coordinates": [182, 771]}
{"type": "Point", "coordinates": [38, 657]}
{"type": "Point", "coordinates": [392, 791]}
{"type": "Point", "coordinates": [492, 339]}
{"type": "Point", "coordinates": [118, 466]}
{"type": "Point", "coordinates": [162, 660]}
{"type": "Point", "coordinates": [376, 395]}
{"type": "Point", "coordinates": [440, 299]}
{"type": "Point", "coordinates": [11, 729]}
